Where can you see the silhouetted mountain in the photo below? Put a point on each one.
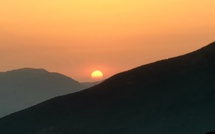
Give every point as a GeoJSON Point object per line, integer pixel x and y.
{"type": "Point", "coordinates": [211, 132]}
{"type": "Point", "coordinates": [20, 89]}
{"type": "Point", "coordinates": [174, 96]}
{"type": "Point", "coordinates": [90, 84]}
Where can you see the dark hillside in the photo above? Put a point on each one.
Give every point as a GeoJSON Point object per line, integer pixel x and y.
{"type": "Point", "coordinates": [22, 88]}
{"type": "Point", "coordinates": [174, 96]}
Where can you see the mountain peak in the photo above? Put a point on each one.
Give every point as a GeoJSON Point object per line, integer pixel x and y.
{"type": "Point", "coordinates": [22, 88]}
{"type": "Point", "coordinates": [28, 70]}
{"type": "Point", "coordinates": [168, 96]}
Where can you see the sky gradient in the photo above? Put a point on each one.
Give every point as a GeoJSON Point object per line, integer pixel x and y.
{"type": "Point", "coordinates": [76, 37]}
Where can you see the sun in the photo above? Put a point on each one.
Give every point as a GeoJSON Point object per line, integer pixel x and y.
{"type": "Point", "coordinates": [97, 75]}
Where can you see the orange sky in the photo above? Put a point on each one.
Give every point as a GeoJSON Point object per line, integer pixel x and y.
{"type": "Point", "coordinates": [76, 37]}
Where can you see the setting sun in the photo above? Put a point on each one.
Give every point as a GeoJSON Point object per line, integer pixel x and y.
{"type": "Point", "coordinates": [98, 75]}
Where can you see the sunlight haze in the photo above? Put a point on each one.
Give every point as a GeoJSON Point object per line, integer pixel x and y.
{"type": "Point", "coordinates": [76, 37]}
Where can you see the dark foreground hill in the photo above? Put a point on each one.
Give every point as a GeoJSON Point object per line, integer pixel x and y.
{"type": "Point", "coordinates": [90, 84]}
{"type": "Point", "coordinates": [22, 88]}
{"type": "Point", "coordinates": [174, 96]}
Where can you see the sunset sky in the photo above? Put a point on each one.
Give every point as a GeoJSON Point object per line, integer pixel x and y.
{"type": "Point", "coordinates": [76, 37]}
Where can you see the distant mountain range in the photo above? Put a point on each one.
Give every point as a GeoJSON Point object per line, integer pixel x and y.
{"type": "Point", "coordinates": [22, 88]}
{"type": "Point", "coordinates": [173, 96]}
{"type": "Point", "coordinates": [90, 84]}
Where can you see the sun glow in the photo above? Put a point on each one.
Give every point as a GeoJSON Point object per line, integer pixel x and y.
{"type": "Point", "coordinates": [120, 34]}
{"type": "Point", "coordinates": [97, 75]}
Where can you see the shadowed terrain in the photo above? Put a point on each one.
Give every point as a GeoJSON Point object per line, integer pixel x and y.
{"type": "Point", "coordinates": [174, 96]}
{"type": "Point", "coordinates": [22, 88]}
{"type": "Point", "coordinates": [90, 84]}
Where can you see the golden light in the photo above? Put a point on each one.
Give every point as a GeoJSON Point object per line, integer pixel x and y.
{"type": "Point", "coordinates": [97, 75]}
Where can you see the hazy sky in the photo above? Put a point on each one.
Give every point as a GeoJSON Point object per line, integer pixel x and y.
{"type": "Point", "coordinates": [76, 37]}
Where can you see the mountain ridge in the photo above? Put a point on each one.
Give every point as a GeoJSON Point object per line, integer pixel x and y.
{"type": "Point", "coordinates": [22, 88]}
{"type": "Point", "coordinates": [168, 96]}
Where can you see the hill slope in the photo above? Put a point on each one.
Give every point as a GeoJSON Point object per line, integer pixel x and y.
{"type": "Point", "coordinates": [22, 88]}
{"type": "Point", "coordinates": [172, 96]}
{"type": "Point", "coordinates": [90, 84]}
